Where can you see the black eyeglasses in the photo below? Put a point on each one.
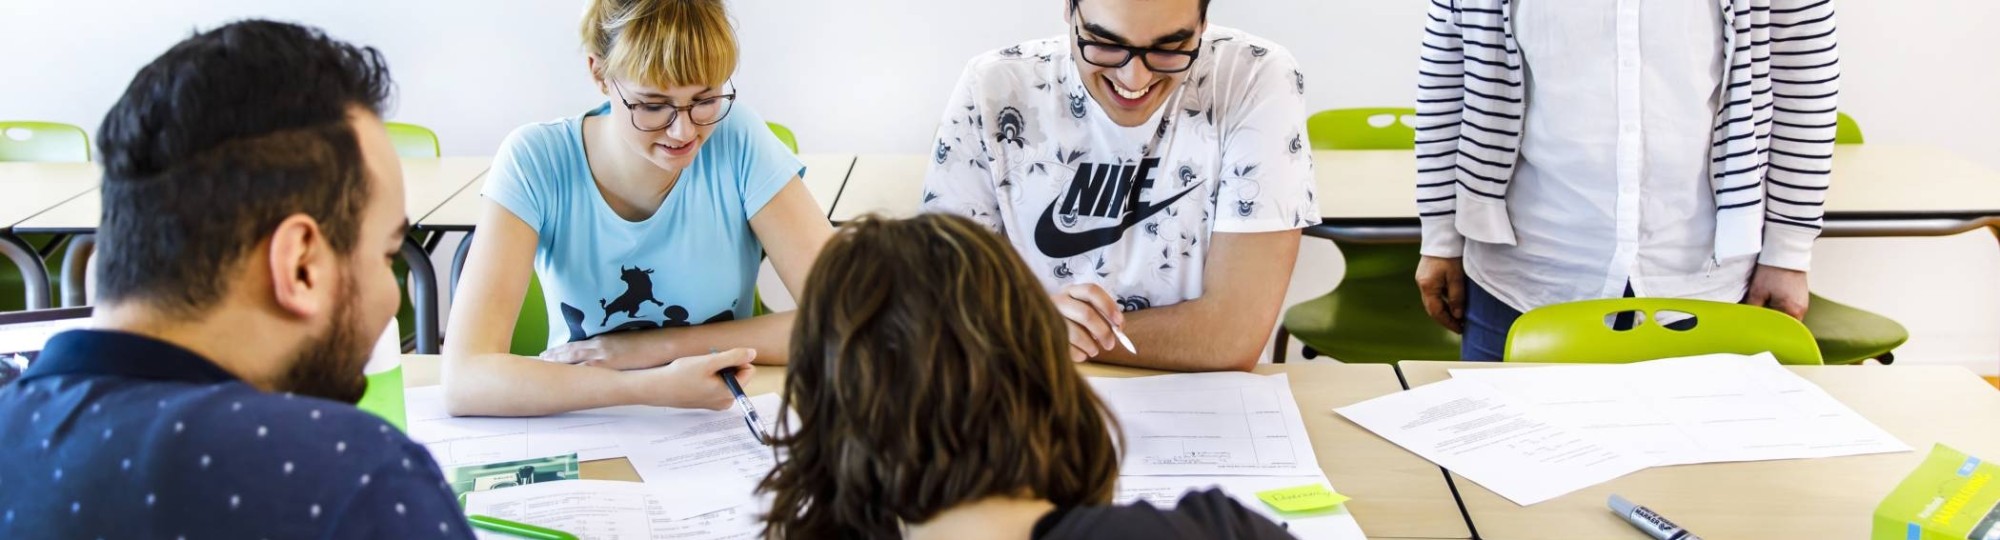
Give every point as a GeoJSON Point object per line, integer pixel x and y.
{"type": "Point", "coordinates": [650, 117]}
{"type": "Point", "coordinates": [1114, 56]}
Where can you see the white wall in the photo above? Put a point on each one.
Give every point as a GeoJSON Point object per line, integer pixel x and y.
{"type": "Point", "coordinates": [872, 75]}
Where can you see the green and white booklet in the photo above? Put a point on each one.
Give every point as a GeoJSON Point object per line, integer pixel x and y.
{"type": "Point", "coordinates": [1951, 496]}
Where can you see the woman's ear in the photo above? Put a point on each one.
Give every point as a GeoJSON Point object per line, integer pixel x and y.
{"type": "Point", "coordinates": [597, 73]}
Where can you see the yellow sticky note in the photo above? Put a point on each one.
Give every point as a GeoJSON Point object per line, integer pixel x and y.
{"type": "Point", "coordinates": [1306, 498]}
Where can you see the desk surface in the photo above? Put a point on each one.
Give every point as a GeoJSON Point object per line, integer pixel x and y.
{"type": "Point", "coordinates": [1396, 494]}
{"type": "Point", "coordinates": [1800, 498]}
{"type": "Point", "coordinates": [32, 188]}
{"type": "Point", "coordinates": [825, 175]}
{"type": "Point", "coordinates": [427, 182]}
{"type": "Point", "coordinates": [1874, 180]}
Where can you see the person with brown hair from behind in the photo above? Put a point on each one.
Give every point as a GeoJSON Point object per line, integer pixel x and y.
{"type": "Point", "coordinates": [936, 398]}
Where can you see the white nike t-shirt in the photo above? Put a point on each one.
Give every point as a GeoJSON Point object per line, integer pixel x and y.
{"type": "Point", "coordinates": [1024, 149]}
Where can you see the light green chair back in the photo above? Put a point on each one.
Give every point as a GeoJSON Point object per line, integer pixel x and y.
{"type": "Point", "coordinates": [1847, 131]}
{"type": "Point", "coordinates": [43, 142]}
{"type": "Point", "coordinates": [1357, 129]}
{"type": "Point", "coordinates": [413, 141]}
{"type": "Point", "coordinates": [785, 134]}
{"type": "Point", "coordinates": [531, 328]}
{"type": "Point", "coordinates": [1576, 332]}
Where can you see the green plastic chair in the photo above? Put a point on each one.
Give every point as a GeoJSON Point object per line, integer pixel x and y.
{"type": "Point", "coordinates": [785, 134]}
{"type": "Point", "coordinates": [531, 328]}
{"type": "Point", "coordinates": [1367, 128]}
{"type": "Point", "coordinates": [1846, 334]}
{"type": "Point", "coordinates": [1376, 314]}
{"type": "Point", "coordinates": [42, 142]}
{"type": "Point", "coordinates": [1847, 131]}
{"type": "Point", "coordinates": [1576, 332]}
{"type": "Point", "coordinates": [412, 140]}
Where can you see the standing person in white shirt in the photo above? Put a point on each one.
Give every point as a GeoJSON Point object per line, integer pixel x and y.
{"type": "Point", "coordinates": [1656, 148]}
{"type": "Point", "coordinates": [1150, 168]}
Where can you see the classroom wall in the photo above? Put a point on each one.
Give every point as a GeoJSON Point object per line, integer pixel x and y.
{"type": "Point", "coordinates": [871, 76]}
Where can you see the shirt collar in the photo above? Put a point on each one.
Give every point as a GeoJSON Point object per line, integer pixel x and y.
{"type": "Point", "coordinates": [120, 354]}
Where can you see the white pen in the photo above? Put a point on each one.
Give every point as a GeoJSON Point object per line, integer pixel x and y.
{"type": "Point", "coordinates": [1122, 340]}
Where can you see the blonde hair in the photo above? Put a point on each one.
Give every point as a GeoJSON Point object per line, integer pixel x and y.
{"type": "Point", "coordinates": [661, 43]}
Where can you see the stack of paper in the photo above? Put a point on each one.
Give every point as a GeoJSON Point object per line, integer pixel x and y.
{"type": "Point", "coordinates": [1702, 409]}
{"type": "Point", "coordinates": [1531, 434]}
{"type": "Point", "coordinates": [606, 510]}
{"type": "Point", "coordinates": [591, 435]}
{"type": "Point", "coordinates": [1239, 432]}
{"type": "Point", "coordinates": [1491, 439]}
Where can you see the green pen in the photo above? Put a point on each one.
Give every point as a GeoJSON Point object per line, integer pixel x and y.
{"type": "Point", "coordinates": [522, 530]}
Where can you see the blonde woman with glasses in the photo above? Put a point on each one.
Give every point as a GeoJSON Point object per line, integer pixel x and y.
{"type": "Point", "coordinates": [645, 218]}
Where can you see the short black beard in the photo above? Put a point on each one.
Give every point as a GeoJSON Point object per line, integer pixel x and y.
{"type": "Point", "coordinates": [330, 366]}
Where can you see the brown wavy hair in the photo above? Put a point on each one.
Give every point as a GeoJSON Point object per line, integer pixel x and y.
{"type": "Point", "coordinates": [929, 369]}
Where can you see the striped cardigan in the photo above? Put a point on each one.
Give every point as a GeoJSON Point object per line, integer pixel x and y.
{"type": "Point", "coordinates": [1771, 154]}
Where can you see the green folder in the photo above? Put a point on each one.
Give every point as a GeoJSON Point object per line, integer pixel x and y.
{"type": "Point", "coordinates": [1951, 496]}
{"type": "Point", "coordinates": [385, 397]}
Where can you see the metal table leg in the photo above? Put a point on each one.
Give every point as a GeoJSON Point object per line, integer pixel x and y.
{"type": "Point", "coordinates": [34, 277]}
{"type": "Point", "coordinates": [76, 269]}
{"type": "Point", "coordinates": [423, 285]}
{"type": "Point", "coordinates": [458, 259]}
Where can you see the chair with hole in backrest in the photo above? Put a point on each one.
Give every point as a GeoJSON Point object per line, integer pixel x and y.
{"type": "Point", "coordinates": [1577, 332]}
{"type": "Point", "coordinates": [1847, 334]}
{"type": "Point", "coordinates": [411, 141]}
{"type": "Point", "coordinates": [1376, 314]}
{"type": "Point", "coordinates": [43, 142]}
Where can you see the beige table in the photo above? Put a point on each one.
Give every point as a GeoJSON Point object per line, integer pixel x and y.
{"type": "Point", "coordinates": [1805, 499]}
{"type": "Point", "coordinates": [890, 185]}
{"type": "Point", "coordinates": [28, 190]}
{"type": "Point", "coordinates": [1396, 494]}
{"type": "Point", "coordinates": [427, 183]}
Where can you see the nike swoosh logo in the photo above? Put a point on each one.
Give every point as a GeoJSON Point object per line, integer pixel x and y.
{"type": "Point", "coordinates": [1059, 244]}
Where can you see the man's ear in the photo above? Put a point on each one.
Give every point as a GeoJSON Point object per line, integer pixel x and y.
{"type": "Point", "coordinates": [596, 66]}
{"type": "Point", "coordinates": [302, 267]}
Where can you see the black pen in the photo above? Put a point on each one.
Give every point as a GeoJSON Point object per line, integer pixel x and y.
{"type": "Point", "coordinates": [750, 417]}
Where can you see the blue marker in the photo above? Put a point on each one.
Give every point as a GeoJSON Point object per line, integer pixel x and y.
{"type": "Point", "coordinates": [1645, 519]}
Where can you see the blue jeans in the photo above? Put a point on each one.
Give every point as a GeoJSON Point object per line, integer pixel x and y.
{"type": "Point", "coordinates": [1487, 320]}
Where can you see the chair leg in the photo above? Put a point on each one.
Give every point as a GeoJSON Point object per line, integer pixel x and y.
{"type": "Point", "coordinates": [1278, 345]}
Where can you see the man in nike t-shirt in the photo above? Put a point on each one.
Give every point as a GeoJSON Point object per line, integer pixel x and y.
{"type": "Point", "coordinates": [1153, 170]}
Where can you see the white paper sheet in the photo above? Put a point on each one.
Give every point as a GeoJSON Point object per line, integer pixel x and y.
{"type": "Point", "coordinates": [1703, 409]}
{"type": "Point", "coordinates": [1164, 491]}
{"type": "Point", "coordinates": [1209, 424]}
{"type": "Point", "coordinates": [1473, 430]}
{"type": "Point", "coordinates": [591, 434]}
{"type": "Point", "coordinates": [701, 461]}
{"type": "Point", "coordinates": [607, 510]}
{"type": "Point", "coordinates": [589, 509]}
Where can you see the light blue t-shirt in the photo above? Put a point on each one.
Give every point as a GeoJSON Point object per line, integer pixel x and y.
{"type": "Point", "coordinates": [692, 262]}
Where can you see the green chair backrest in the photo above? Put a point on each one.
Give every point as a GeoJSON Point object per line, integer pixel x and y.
{"type": "Point", "coordinates": [785, 134]}
{"type": "Point", "coordinates": [531, 328]}
{"type": "Point", "coordinates": [1576, 332]}
{"type": "Point", "coordinates": [413, 141]}
{"type": "Point", "coordinates": [1847, 131]}
{"type": "Point", "coordinates": [43, 142]}
{"type": "Point", "coordinates": [1370, 128]}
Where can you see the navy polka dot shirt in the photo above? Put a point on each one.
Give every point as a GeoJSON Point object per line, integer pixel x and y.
{"type": "Point", "coordinates": [113, 435]}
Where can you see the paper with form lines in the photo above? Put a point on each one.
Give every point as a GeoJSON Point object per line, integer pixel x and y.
{"type": "Point", "coordinates": [591, 434]}
{"type": "Point", "coordinates": [1702, 409]}
{"type": "Point", "coordinates": [608, 510]}
{"type": "Point", "coordinates": [1209, 424]}
{"type": "Point", "coordinates": [1489, 438]}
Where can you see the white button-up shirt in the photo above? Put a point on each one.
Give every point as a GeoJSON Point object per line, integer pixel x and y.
{"type": "Point", "coordinates": [1612, 187]}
